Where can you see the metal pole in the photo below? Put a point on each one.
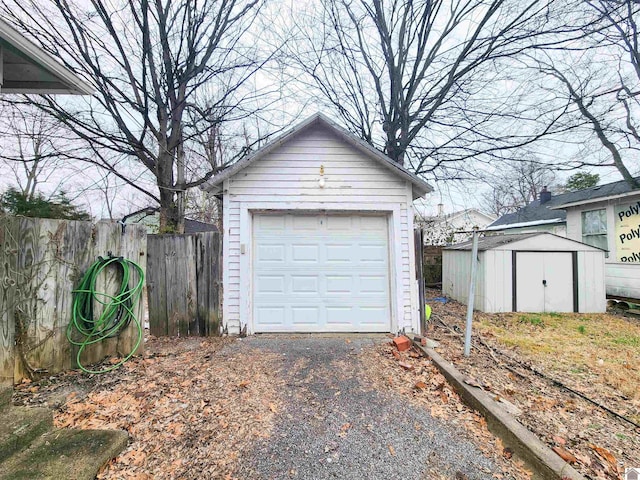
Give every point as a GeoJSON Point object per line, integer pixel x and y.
{"type": "Point", "coordinates": [472, 292]}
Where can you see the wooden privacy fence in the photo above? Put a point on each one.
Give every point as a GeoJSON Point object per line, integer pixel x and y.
{"type": "Point", "coordinates": [41, 262]}
{"type": "Point", "coordinates": [183, 284]}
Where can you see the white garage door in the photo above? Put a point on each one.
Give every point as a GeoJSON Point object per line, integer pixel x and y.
{"type": "Point", "coordinates": [320, 273]}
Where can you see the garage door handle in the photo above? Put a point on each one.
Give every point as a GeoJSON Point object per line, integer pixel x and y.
{"type": "Point", "coordinates": [544, 282]}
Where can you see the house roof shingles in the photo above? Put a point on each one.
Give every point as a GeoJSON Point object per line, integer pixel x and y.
{"type": "Point", "coordinates": [552, 209]}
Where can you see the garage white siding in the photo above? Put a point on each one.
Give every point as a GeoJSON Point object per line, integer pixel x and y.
{"type": "Point", "coordinates": [286, 180]}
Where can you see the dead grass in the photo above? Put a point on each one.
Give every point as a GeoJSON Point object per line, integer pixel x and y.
{"type": "Point", "coordinates": [596, 355]}
{"type": "Point", "coordinates": [601, 347]}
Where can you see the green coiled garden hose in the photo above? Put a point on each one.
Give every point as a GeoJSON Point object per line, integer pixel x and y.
{"type": "Point", "coordinates": [116, 315]}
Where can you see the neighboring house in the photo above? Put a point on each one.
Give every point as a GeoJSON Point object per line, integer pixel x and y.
{"type": "Point", "coordinates": [608, 216]}
{"type": "Point", "coordinates": [318, 236]}
{"type": "Point", "coordinates": [605, 216]}
{"type": "Point", "coordinates": [27, 68]}
{"type": "Point", "coordinates": [537, 216]}
{"type": "Point", "coordinates": [441, 229]}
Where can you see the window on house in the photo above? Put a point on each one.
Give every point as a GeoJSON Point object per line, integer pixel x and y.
{"type": "Point", "coordinates": [594, 228]}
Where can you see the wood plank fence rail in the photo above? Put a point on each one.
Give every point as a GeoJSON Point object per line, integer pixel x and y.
{"type": "Point", "coordinates": [41, 262]}
{"type": "Point", "coordinates": [184, 284]}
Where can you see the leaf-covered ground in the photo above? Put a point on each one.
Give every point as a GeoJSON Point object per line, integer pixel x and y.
{"type": "Point", "coordinates": [196, 408]}
{"type": "Point", "coordinates": [596, 355]}
{"type": "Point", "coordinates": [190, 410]}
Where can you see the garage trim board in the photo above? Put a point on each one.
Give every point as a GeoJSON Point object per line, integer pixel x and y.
{"type": "Point", "coordinates": [248, 213]}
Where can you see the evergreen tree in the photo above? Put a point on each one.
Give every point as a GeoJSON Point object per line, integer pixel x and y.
{"type": "Point", "coordinates": [59, 206]}
{"type": "Point", "coordinates": [581, 180]}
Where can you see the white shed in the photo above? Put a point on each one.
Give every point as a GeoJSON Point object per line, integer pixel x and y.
{"type": "Point", "coordinates": [318, 236]}
{"type": "Point", "coordinates": [528, 272]}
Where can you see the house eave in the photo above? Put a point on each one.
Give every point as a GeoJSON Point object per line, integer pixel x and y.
{"type": "Point", "coordinates": [66, 81]}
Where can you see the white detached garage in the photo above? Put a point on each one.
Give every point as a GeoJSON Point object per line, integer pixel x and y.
{"type": "Point", "coordinates": [318, 236]}
{"type": "Point", "coordinates": [527, 272]}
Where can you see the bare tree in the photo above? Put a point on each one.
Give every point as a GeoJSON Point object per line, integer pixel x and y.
{"type": "Point", "coordinates": [515, 185]}
{"type": "Point", "coordinates": [164, 72]}
{"type": "Point", "coordinates": [600, 77]}
{"type": "Point", "coordinates": [427, 81]}
{"type": "Point", "coordinates": [32, 148]}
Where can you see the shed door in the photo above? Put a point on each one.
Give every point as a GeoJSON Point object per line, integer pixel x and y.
{"type": "Point", "coordinates": [544, 282]}
{"type": "Point", "coordinates": [320, 273]}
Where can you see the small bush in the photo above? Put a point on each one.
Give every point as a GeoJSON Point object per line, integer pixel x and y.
{"type": "Point", "coordinates": [582, 329]}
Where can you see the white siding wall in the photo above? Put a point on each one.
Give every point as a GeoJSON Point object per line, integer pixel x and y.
{"type": "Point", "coordinates": [499, 281]}
{"type": "Point", "coordinates": [591, 288]}
{"type": "Point", "coordinates": [621, 279]}
{"type": "Point", "coordinates": [456, 272]}
{"type": "Point", "coordinates": [287, 179]}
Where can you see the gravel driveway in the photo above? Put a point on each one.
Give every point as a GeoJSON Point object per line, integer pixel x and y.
{"type": "Point", "coordinates": [333, 425]}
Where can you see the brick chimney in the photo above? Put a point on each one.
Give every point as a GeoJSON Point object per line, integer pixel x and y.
{"type": "Point", "coordinates": [545, 195]}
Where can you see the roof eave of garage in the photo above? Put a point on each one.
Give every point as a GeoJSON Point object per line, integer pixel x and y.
{"type": "Point", "coordinates": [420, 187]}
{"type": "Point", "coordinates": [66, 81]}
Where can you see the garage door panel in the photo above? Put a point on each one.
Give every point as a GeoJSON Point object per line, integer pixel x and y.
{"type": "Point", "coordinates": [302, 253]}
{"type": "Point", "coordinates": [270, 222]}
{"type": "Point", "coordinates": [339, 284]}
{"type": "Point", "coordinates": [374, 224]}
{"type": "Point", "coordinates": [337, 222]}
{"type": "Point", "coordinates": [373, 253]}
{"type": "Point", "coordinates": [337, 269]}
{"type": "Point", "coordinates": [374, 315]}
{"type": "Point", "coordinates": [305, 284]}
{"type": "Point", "coordinates": [303, 315]}
{"type": "Point", "coordinates": [370, 284]}
{"type": "Point", "coordinates": [274, 253]}
{"type": "Point", "coordinates": [270, 284]}
{"type": "Point", "coordinates": [340, 253]}
{"type": "Point", "coordinates": [269, 316]}
{"type": "Point", "coordinates": [339, 316]}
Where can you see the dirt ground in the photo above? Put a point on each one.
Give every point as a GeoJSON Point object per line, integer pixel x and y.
{"type": "Point", "coordinates": [534, 361]}
{"type": "Point", "coordinates": [196, 408]}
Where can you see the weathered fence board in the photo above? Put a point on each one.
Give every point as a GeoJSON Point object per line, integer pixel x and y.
{"type": "Point", "coordinates": [42, 261]}
{"type": "Point", "coordinates": [183, 284]}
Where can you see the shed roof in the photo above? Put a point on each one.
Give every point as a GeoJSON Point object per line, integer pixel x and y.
{"type": "Point", "coordinates": [420, 187]}
{"type": "Point", "coordinates": [494, 241]}
{"type": "Point", "coordinates": [26, 68]}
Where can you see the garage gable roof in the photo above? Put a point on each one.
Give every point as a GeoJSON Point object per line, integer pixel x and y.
{"type": "Point", "coordinates": [26, 68]}
{"type": "Point", "coordinates": [494, 241]}
{"type": "Point", "coordinates": [420, 187]}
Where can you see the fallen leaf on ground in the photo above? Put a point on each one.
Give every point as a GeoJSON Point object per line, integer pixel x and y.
{"type": "Point", "coordinates": [565, 455]}
{"type": "Point", "coordinates": [392, 450]}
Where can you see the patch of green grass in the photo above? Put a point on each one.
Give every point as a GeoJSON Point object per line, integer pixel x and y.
{"type": "Point", "coordinates": [622, 436]}
{"type": "Point", "coordinates": [534, 320]}
{"type": "Point", "coordinates": [554, 315]}
{"type": "Point", "coordinates": [629, 340]}
{"type": "Point", "coordinates": [582, 329]}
